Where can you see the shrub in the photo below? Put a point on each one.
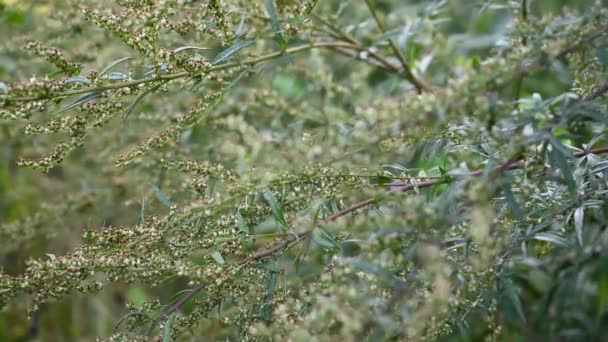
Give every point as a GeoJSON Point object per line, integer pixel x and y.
{"type": "Point", "coordinates": [305, 170]}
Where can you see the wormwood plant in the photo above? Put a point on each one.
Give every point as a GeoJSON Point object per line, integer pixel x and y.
{"type": "Point", "coordinates": [324, 169]}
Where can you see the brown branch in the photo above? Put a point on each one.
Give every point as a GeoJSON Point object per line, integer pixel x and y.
{"type": "Point", "coordinates": [601, 90]}
{"type": "Point", "coordinates": [295, 236]}
{"type": "Point", "coordinates": [409, 74]}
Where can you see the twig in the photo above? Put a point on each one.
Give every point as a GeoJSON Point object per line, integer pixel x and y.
{"type": "Point", "coordinates": [182, 74]}
{"type": "Point", "coordinates": [603, 89]}
{"type": "Point", "coordinates": [420, 86]}
{"type": "Point", "coordinates": [395, 189]}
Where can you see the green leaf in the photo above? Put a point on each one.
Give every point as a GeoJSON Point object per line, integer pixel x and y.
{"type": "Point", "coordinates": [236, 47]}
{"type": "Point", "coordinates": [78, 79]}
{"type": "Point", "coordinates": [117, 76]}
{"type": "Point", "coordinates": [80, 101]}
{"type": "Point", "coordinates": [161, 197]}
{"type": "Point", "coordinates": [276, 26]}
{"type": "Point", "coordinates": [513, 296]}
{"type": "Point", "coordinates": [3, 88]}
{"type": "Point", "coordinates": [551, 238]}
{"type": "Point", "coordinates": [243, 231]}
{"type": "Point", "coordinates": [512, 202]}
{"type": "Point", "coordinates": [561, 162]}
{"type": "Point", "coordinates": [112, 65]}
{"type": "Point", "coordinates": [277, 211]}
{"type": "Point", "coordinates": [323, 238]}
{"type": "Point", "coordinates": [602, 56]}
{"type": "Point", "coordinates": [189, 47]}
{"type": "Point", "coordinates": [217, 256]}
{"type": "Point", "coordinates": [579, 216]}
{"type": "Point", "coordinates": [167, 328]}
{"type": "Point", "coordinates": [271, 284]}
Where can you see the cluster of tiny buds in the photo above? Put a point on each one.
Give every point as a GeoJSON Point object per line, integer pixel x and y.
{"type": "Point", "coordinates": [54, 56]}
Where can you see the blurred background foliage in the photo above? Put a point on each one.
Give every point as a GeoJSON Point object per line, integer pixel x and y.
{"type": "Point", "coordinates": [48, 211]}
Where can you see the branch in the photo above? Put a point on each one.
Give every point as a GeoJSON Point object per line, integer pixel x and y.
{"type": "Point", "coordinates": [394, 189]}
{"type": "Point", "coordinates": [601, 90]}
{"type": "Point", "coordinates": [420, 86]}
{"type": "Point", "coordinates": [182, 74]}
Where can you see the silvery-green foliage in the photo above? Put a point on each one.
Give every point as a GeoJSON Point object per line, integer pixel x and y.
{"type": "Point", "coordinates": [297, 170]}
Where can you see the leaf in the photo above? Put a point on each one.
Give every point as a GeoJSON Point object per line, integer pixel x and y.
{"type": "Point", "coordinates": [558, 156]}
{"type": "Point", "coordinates": [240, 31]}
{"type": "Point", "coordinates": [276, 26]}
{"type": "Point", "coordinates": [579, 216]}
{"type": "Point", "coordinates": [116, 76]}
{"type": "Point", "coordinates": [323, 238]}
{"type": "Point", "coordinates": [112, 65]}
{"type": "Point", "coordinates": [602, 56]}
{"type": "Point", "coordinates": [271, 284]}
{"type": "Point", "coordinates": [80, 101]}
{"type": "Point", "coordinates": [236, 47]}
{"type": "Point", "coordinates": [167, 328]}
{"type": "Point", "coordinates": [189, 47]}
{"type": "Point", "coordinates": [51, 256]}
{"type": "Point", "coordinates": [515, 300]}
{"type": "Point", "coordinates": [551, 238]}
{"type": "Point", "coordinates": [243, 231]}
{"type": "Point", "coordinates": [78, 79]}
{"type": "Point", "coordinates": [511, 202]}
{"type": "Point", "coordinates": [3, 88]}
{"type": "Point", "coordinates": [161, 197]}
{"type": "Point", "coordinates": [276, 209]}
{"type": "Point", "coordinates": [142, 211]}
{"type": "Point", "coordinates": [217, 256]}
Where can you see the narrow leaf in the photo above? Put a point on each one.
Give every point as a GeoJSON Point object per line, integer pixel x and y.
{"type": "Point", "coordinates": [579, 215]}
{"type": "Point", "coordinates": [561, 162]}
{"type": "Point", "coordinates": [276, 26]}
{"type": "Point", "coordinates": [512, 202]}
{"type": "Point", "coordinates": [236, 47]}
{"type": "Point", "coordinates": [3, 88]}
{"type": "Point", "coordinates": [217, 256]}
{"type": "Point", "coordinates": [551, 238]}
{"type": "Point", "coordinates": [78, 79]}
{"type": "Point", "coordinates": [161, 197]}
{"type": "Point", "coordinates": [117, 76]}
{"type": "Point", "coordinates": [167, 328]}
{"type": "Point", "coordinates": [515, 300]}
{"type": "Point", "coordinates": [112, 65]}
{"type": "Point", "coordinates": [80, 101]}
{"type": "Point", "coordinates": [189, 47]}
{"type": "Point", "coordinates": [323, 238]}
{"type": "Point", "coordinates": [276, 209]}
